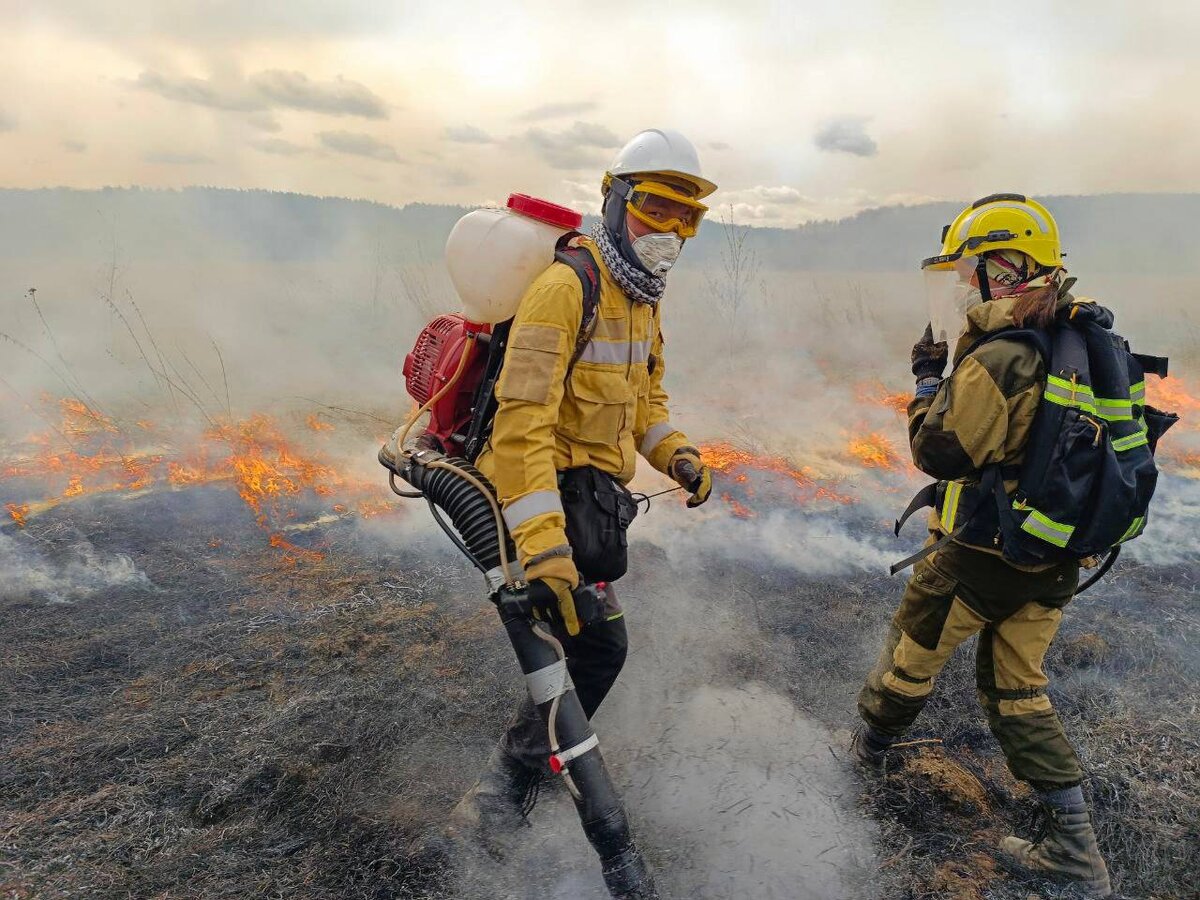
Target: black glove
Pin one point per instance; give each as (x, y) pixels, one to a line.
(555, 602)
(929, 356)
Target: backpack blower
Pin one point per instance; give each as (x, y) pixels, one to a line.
(492, 256)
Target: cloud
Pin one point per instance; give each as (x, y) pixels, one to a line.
(577, 147)
(200, 92)
(264, 122)
(7, 122)
(580, 195)
(557, 110)
(718, 145)
(278, 147)
(295, 90)
(74, 146)
(846, 135)
(173, 158)
(468, 134)
(267, 90)
(766, 205)
(358, 144)
(458, 178)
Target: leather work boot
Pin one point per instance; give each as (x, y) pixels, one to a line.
(1068, 848)
(494, 808)
(869, 747)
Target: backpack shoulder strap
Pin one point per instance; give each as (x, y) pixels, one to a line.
(583, 264)
(1039, 338)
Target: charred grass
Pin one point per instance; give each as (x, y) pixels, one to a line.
(244, 725)
(241, 726)
(1123, 675)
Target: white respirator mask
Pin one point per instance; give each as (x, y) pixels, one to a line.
(658, 252)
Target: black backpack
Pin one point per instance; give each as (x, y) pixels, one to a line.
(483, 409)
(1085, 485)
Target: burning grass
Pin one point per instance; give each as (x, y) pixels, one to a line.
(88, 454)
(786, 481)
(281, 716)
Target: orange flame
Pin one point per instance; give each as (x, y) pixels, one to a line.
(316, 423)
(733, 461)
(1173, 395)
(874, 451)
(876, 393)
(18, 511)
(267, 471)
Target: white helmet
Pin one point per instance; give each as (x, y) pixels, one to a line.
(662, 151)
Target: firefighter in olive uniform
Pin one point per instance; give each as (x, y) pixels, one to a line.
(569, 426)
(1001, 266)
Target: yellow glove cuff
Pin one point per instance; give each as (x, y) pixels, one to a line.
(560, 567)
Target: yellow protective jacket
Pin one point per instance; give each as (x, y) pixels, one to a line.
(611, 408)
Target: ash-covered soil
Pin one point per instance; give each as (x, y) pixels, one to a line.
(187, 713)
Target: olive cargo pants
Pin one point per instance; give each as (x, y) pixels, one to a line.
(953, 594)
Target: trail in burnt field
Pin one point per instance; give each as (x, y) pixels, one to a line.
(191, 711)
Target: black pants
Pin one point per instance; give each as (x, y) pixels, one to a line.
(594, 658)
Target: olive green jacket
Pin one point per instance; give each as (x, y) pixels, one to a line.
(982, 413)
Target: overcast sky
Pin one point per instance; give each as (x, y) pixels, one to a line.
(801, 110)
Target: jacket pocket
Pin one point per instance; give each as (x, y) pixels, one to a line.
(530, 364)
(599, 414)
(926, 605)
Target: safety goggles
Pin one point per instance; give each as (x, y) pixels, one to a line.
(664, 208)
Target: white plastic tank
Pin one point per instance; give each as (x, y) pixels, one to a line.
(494, 254)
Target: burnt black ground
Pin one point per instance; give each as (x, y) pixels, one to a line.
(235, 726)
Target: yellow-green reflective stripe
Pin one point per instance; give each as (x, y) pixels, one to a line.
(1078, 389)
(1047, 529)
(1137, 392)
(1065, 394)
(1114, 410)
(1134, 529)
(950, 505)
(1128, 443)
(1066, 401)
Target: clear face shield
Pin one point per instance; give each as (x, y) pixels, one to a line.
(950, 290)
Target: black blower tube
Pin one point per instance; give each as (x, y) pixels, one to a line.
(599, 805)
(469, 511)
(600, 809)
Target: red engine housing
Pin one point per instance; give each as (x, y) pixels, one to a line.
(432, 363)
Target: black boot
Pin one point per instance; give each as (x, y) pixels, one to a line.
(493, 810)
(870, 747)
(1068, 848)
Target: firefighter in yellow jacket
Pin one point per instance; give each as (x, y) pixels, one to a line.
(1000, 266)
(568, 429)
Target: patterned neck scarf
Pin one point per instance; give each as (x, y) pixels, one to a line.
(1018, 272)
(636, 284)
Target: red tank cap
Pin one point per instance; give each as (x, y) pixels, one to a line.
(545, 211)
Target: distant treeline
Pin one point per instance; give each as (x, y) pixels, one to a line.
(1125, 233)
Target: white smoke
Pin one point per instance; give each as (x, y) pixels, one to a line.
(1170, 535)
(68, 575)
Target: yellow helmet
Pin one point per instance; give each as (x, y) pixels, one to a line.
(1000, 222)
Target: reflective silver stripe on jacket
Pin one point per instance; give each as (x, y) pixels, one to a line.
(535, 503)
(616, 353)
(654, 436)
